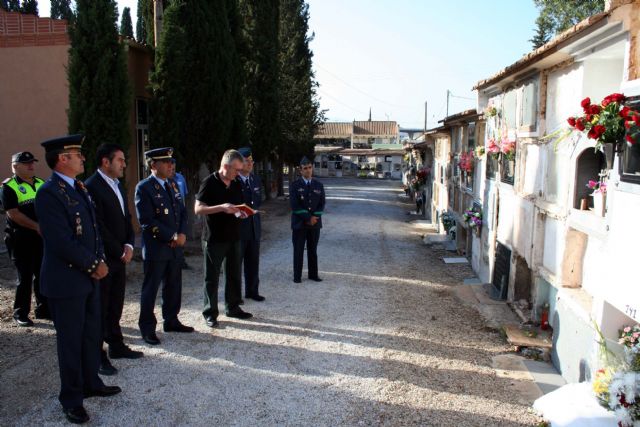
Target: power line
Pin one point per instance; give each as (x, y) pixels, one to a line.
(340, 102)
(361, 91)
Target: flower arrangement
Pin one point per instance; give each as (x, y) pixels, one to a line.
(420, 178)
(466, 161)
(449, 223)
(624, 398)
(490, 111)
(480, 151)
(601, 384)
(630, 339)
(504, 146)
(473, 218)
(608, 122)
(597, 186)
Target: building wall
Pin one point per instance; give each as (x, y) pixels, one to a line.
(33, 101)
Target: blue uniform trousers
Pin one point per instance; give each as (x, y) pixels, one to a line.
(170, 274)
(311, 236)
(78, 335)
(250, 252)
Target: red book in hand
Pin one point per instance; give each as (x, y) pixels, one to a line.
(246, 209)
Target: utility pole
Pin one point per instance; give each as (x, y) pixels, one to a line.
(157, 19)
(425, 116)
(448, 93)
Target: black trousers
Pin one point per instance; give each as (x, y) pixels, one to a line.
(223, 256)
(250, 254)
(170, 274)
(310, 236)
(26, 254)
(112, 290)
(77, 323)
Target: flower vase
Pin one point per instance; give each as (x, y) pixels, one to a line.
(599, 199)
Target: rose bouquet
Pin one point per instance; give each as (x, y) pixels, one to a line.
(608, 122)
(504, 146)
(466, 161)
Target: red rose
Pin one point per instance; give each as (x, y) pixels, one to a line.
(627, 124)
(594, 109)
(599, 130)
(571, 121)
(630, 139)
(636, 119)
(624, 113)
(585, 102)
(592, 133)
(580, 124)
(617, 97)
(606, 102)
(589, 118)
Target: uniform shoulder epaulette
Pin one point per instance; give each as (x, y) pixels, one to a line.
(7, 180)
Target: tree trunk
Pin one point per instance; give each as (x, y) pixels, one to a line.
(280, 178)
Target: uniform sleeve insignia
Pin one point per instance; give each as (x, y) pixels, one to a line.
(22, 189)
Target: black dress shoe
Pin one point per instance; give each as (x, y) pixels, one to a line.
(177, 327)
(124, 352)
(151, 338)
(106, 391)
(106, 368)
(257, 297)
(43, 316)
(241, 302)
(76, 415)
(211, 322)
(297, 281)
(23, 321)
(238, 313)
(315, 279)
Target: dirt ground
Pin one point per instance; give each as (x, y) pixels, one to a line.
(381, 341)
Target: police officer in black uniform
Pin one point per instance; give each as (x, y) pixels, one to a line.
(72, 266)
(22, 237)
(163, 219)
(307, 199)
(251, 227)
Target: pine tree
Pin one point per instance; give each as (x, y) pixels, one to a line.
(30, 7)
(299, 107)
(543, 33)
(260, 61)
(99, 92)
(563, 14)
(61, 9)
(194, 84)
(141, 24)
(126, 26)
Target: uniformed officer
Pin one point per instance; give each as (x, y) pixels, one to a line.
(307, 199)
(163, 220)
(22, 237)
(72, 265)
(250, 228)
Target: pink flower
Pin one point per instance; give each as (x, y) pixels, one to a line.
(627, 329)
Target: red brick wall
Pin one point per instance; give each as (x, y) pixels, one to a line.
(18, 30)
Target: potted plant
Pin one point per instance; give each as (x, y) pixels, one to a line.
(599, 195)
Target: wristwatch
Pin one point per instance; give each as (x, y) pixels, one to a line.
(175, 236)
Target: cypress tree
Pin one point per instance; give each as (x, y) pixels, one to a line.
(30, 7)
(194, 84)
(299, 113)
(126, 26)
(543, 33)
(99, 93)
(4, 5)
(141, 24)
(13, 5)
(260, 62)
(61, 9)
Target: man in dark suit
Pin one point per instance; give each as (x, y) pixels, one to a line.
(306, 196)
(114, 221)
(163, 220)
(250, 228)
(72, 265)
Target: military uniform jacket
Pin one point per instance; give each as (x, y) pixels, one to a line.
(72, 243)
(115, 226)
(251, 228)
(306, 201)
(161, 215)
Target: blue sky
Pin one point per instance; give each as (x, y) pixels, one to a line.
(393, 55)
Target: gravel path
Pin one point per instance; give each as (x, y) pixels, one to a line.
(381, 341)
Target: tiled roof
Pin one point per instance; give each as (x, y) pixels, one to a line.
(364, 128)
(375, 128)
(334, 130)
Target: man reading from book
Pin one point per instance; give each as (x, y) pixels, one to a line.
(217, 198)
